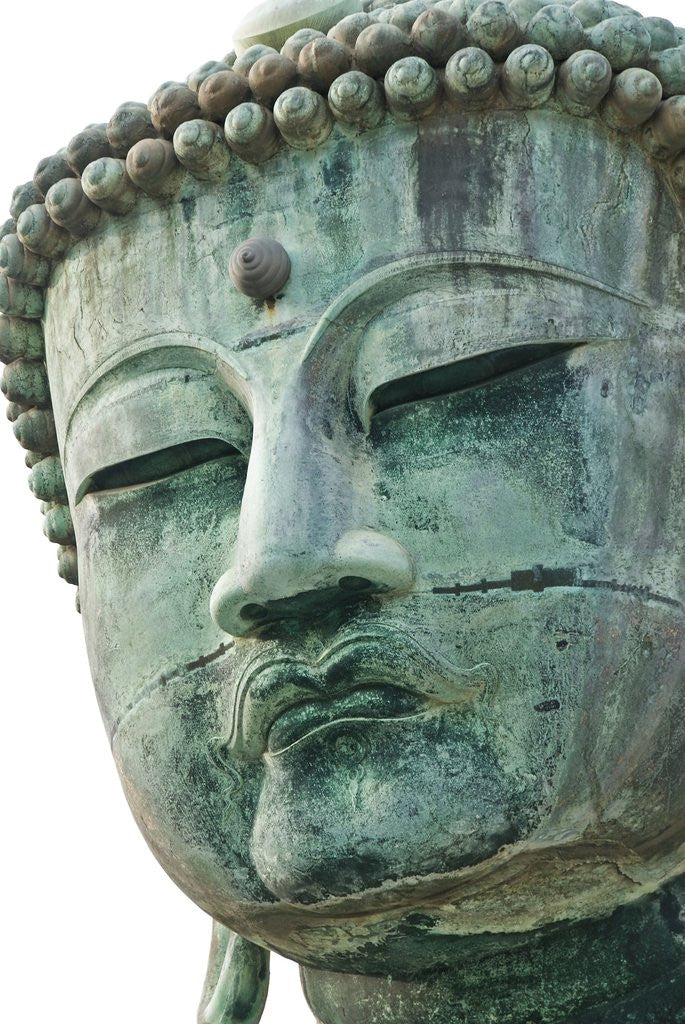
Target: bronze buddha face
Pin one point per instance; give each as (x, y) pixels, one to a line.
(380, 566)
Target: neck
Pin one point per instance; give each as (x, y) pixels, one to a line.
(629, 967)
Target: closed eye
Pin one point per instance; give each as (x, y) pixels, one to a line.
(157, 465)
(466, 373)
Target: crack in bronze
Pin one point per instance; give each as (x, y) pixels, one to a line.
(539, 579)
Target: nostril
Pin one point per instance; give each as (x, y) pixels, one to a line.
(253, 612)
(354, 584)
(272, 583)
(371, 562)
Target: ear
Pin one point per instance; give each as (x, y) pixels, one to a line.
(237, 980)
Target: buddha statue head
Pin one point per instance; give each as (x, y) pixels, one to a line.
(351, 377)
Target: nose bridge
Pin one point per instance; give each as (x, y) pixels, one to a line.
(298, 499)
(306, 540)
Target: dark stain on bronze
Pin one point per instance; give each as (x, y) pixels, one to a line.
(547, 705)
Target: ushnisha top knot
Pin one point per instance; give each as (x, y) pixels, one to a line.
(301, 71)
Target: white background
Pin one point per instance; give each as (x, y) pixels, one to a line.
(91, 928)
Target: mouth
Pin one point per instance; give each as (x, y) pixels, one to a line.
(382, 703)
(381, 674)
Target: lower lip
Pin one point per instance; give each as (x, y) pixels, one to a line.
(376, 702)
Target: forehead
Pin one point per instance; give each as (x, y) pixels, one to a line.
(536, 187)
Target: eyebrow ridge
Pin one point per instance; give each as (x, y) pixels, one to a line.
(209, 352)
(371, 281)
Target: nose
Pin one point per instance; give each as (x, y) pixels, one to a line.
(304, 546)
(282, 585)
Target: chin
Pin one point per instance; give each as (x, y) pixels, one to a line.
(362, 804)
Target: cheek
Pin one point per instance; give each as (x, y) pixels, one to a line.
(648, 497)
(496, 478)
(579, 466)
(150, 557)
(148, 560)
(194, 805)
(578, 462)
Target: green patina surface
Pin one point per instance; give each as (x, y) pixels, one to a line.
(550, 789)
(382, 578)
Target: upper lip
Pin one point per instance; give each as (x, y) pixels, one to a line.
(271, 684)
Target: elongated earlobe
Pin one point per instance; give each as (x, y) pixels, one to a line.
(237, 980)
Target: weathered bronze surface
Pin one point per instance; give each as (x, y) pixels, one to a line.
(351, 378)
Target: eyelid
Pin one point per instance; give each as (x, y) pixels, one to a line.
(464, 374)
(156, 465)
(124, 416)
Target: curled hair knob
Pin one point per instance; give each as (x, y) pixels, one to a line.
(26, 383)
(271, 75)
(295, 44)
(379, 46)
(251, 132)
(130, 123)
(24, 196)
(471, 78)
(436, 35)
(624, 41)
(70, 207)
(107, 184)
(494, 27)
(171, 105)
(528, 76)
(201, 147)
(664, 133)
(557, 29)
(632, 99)
(88, 145)
(412, 88)
(348, 30)
(40, 234)
(583, 81)
(50, 170)
(303, 118)
(152, 166)
(21, 339)
(17, 262)
(669, 68)
(323, 60)
(221, 93)
(356, 99)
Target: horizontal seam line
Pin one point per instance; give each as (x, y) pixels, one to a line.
(164, 680)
